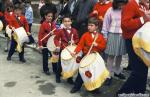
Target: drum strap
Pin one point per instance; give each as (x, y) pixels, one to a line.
(68, 38)
(19, 22)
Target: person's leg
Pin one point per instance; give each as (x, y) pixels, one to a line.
(117, 68)
(58, 70)
(78, 84)
(21, 55)
(13, 45)
(45, 61)
(130, 62)
(109, 64)
(30, 25)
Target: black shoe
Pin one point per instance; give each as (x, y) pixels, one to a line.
(8, 58)
(5, 50)
(127, 69)
(108, 81)
(120, 76)
(74, 90)
(58, 79)
(96, 91)
(22, 60)
(47, 72)
(70, 81)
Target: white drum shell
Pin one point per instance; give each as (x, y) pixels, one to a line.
(68, 63)
(50, 44)
(8, 31)
(141, 43)
(1, 25)
(22, 36)
(96, 66)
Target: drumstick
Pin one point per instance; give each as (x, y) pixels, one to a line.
(67, 49)
(48, 34)
(71, 39)
(92, 44)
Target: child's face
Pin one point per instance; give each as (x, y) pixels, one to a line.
(67, 22)
(18, 12)
(92, 27)
(49, 17)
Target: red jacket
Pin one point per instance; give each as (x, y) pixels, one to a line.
(86, 42)
(1, 14)
(45, 28)
(14, 23)
(64, 41)
(130, 20)
(101, 8)
(8, 15)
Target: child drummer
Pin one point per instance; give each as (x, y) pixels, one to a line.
(85, 44)
(46, 28)
(67, 35)
(17, 20)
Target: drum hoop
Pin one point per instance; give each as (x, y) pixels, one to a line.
(2, 25)
(87, 64)
(71, 57)
(9, 34)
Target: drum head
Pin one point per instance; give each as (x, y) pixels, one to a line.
(50, 44)
(8, 31)
(88, 60)
(21, 35)
(1, 25)
(65, 54)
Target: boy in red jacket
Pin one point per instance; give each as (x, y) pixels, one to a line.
(85, 44)
(65, 35)
(46, 27)
(17, 20)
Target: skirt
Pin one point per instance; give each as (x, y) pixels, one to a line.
(115, 44)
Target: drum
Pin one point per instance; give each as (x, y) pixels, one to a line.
(93, 71)
(8, 31)
(68, 63)
(50, 44)
(1, 25)
(21, 37)
(54, 58)
(141, 43)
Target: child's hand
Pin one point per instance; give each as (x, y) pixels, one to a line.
(57, 49)
(95, 12)
(40, 47)
(95, 44)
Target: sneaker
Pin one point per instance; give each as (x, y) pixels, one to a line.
(8, 58)
(22, 60)
(74, 90)
(96, 91)
(47, 72)
(127, 69)
(6, 50)
(58, 79)
(120, 76)
(70, 81)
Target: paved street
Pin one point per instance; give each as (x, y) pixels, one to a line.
(28, 79)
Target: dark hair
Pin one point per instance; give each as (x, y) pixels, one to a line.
(93, 20)
(18, 6)
(67, 16)
(116, 2)
(46, 12)
(28, 1)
